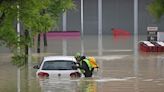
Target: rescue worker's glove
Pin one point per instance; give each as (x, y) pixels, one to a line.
(78, 63)
(74, 67)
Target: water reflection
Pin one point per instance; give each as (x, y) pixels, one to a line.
(64, 47)
(18, 80)
(57, 85)
(66, 85)
(85, 85)
(82, 45)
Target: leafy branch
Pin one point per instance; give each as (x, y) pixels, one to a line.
(156, 8)
(36, 16)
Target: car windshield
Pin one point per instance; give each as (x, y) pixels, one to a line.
(58, 65)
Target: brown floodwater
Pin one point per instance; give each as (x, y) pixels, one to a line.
(122, 68)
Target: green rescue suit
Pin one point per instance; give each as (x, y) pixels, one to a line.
(86, 67)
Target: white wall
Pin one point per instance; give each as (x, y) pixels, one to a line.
(160, 36)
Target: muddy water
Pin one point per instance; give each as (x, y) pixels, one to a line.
(122, 68)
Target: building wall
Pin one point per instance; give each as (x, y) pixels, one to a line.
(116, 14)
(73, 18)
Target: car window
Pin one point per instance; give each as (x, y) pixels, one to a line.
(58, 65)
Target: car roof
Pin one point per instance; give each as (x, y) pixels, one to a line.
(50, 58)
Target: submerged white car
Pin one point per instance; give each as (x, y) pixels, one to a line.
(57, 67)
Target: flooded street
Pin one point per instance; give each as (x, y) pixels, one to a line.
(122, 67)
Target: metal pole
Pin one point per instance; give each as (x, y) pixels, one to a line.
(82, 27)
(136, 44)
(136, 35)
(100, 17)
(18, 30)
(64, 21)
(100, 26)
(18, 49)
(135, 17)
(82, 18)
(100, 38)
(29, 68)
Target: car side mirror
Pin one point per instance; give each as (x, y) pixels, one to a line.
(36, 67)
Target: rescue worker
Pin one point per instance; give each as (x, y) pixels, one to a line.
(84, 65)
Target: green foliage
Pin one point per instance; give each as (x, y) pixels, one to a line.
(156, 8)
(36, 16)
(19, 60)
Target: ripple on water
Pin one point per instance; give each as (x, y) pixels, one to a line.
(105, 79)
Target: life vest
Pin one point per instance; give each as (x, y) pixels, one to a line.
(93, 62)
(88, 63)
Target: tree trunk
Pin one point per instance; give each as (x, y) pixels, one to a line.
(26, 33)
(38, 45)
(45, 40)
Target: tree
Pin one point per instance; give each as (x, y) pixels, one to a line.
(156, 8)
(36, 16)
